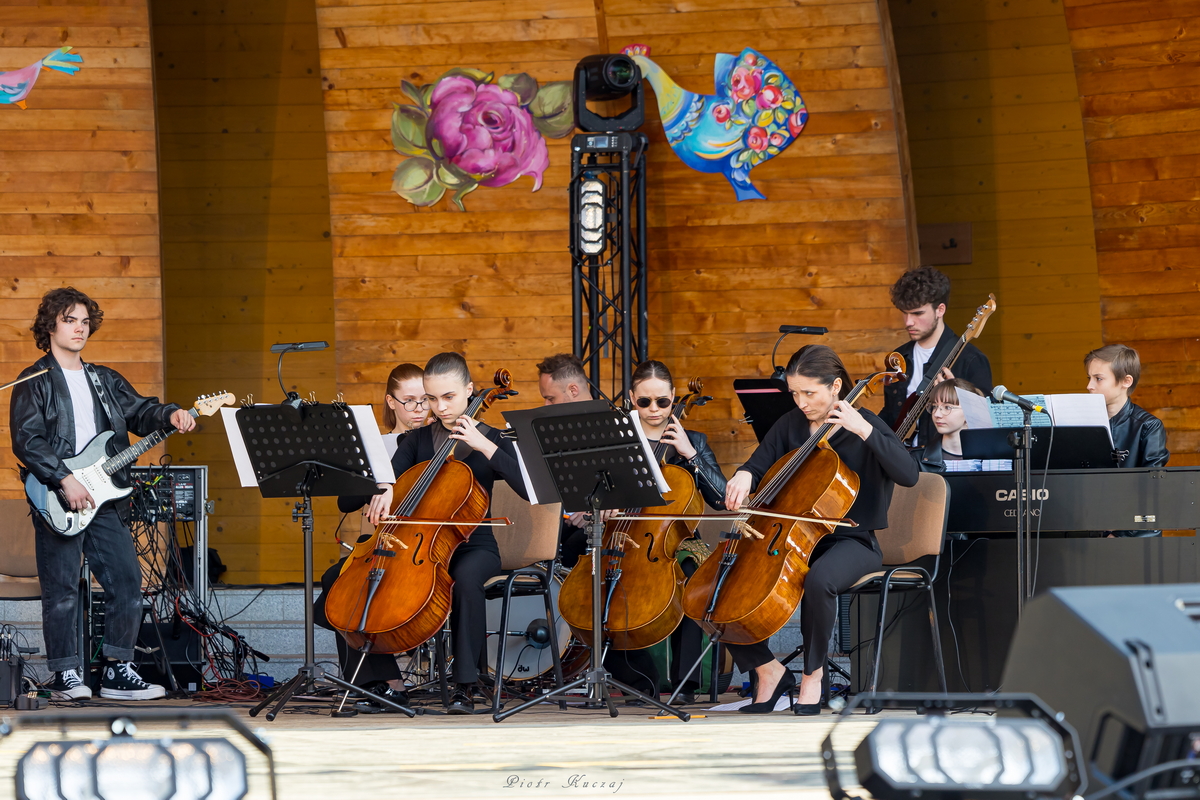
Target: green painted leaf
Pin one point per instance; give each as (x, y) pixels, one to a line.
(408, 130)
(780, 115)
(788, 104)
(765, 118)
(522, 84)
(416, 182)
(435, 145)
(773, 79)
(462, 192)
(773, 150)
(553, 110)
(452, 175)
(748, 108)
(410, 89)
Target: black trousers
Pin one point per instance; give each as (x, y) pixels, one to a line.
(375, 667)
(838, 562)
(471, 566)
(112, 558)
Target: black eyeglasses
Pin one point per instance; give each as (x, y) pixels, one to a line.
(661, 402)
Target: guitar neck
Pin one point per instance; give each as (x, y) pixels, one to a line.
(922, 402)
(135, 451)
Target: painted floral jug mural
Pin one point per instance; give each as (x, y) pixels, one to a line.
(468, 129)
(755, 113)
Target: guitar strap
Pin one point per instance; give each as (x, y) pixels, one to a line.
(91, 373)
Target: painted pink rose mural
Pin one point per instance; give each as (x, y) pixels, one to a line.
(468, 130)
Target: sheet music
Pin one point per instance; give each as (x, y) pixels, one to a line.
(975, 409)
(390, 442)
(533, 501)
(659, 480)
(1079, 410)
(241, 459)
(1008, 415)
(377, 456)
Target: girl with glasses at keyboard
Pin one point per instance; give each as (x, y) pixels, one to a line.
(943, 453)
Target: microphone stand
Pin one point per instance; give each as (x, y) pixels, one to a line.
(1022, 443)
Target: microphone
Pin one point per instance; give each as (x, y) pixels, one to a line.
(1001, 394)
(288, 347)
(810, 330)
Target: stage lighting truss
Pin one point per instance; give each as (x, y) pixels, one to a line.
(129, 767)
(608, 257)
(972, 756)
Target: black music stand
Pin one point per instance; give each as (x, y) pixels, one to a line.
(765, 401)
(592, 458)
(313, 450)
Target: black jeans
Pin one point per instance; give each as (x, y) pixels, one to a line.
(838, 562)
(112, 558)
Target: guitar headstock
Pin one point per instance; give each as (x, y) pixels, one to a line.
(975, 326)
(207, 404)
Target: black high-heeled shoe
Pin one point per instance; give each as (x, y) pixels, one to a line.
(787, 684)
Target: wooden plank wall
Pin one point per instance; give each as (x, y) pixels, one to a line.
(494, 282)
(246, 254)
(1138, 67)
(79, 190)
(996, 140)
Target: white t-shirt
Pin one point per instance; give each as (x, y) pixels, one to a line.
(83, 407)
(920, 358)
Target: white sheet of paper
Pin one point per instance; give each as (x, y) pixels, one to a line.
(975, 409)
(1077, 409)
(377, 456)
(659, 480)
(241, 459)
(533, 501)
(390, 442)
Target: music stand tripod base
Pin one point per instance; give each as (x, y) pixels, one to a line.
(580, 449)
(334, 469)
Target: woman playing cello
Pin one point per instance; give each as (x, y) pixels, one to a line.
(448, 390)
(818, 382)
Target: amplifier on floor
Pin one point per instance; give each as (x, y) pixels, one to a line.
(1123, 664)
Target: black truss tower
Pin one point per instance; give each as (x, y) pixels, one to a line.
(609, 315)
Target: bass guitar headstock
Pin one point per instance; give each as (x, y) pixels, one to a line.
(975, 326)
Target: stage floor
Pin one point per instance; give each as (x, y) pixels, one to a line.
(542, 752)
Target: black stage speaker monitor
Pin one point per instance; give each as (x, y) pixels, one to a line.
(1122, 663)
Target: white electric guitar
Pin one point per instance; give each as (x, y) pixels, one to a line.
(94, 468)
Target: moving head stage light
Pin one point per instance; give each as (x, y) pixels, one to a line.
(605, 77)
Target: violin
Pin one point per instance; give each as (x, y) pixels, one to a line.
(755, 586)
(643, 582)
(394, 592)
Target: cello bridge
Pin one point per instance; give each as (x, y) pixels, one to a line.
(391, 541)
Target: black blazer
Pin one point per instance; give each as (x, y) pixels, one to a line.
(972, 365)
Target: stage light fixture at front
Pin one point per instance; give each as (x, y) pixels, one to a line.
(996, 757)
(133, 769)
(608, 76)
(129, 767)
(591, 217)
(976, 757)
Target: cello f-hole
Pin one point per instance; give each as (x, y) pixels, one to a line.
(778, 526)
(653, 559)
(417, 549)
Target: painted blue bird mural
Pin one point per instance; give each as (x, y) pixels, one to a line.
(16, 84)
(755, 113)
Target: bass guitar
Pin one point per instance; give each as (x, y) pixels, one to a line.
(916, 403)
(94, 468)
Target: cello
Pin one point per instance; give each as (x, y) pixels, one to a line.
(755, 586)
(643, 601)
(394, 592)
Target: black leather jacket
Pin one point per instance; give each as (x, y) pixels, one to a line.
(1139, 440)
(42, 419)
(972, 365)
(930, 458)
(704, 467)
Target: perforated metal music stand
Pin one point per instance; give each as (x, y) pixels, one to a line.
(591, 457)
(314, 450)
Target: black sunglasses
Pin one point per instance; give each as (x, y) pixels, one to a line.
(661, 402)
